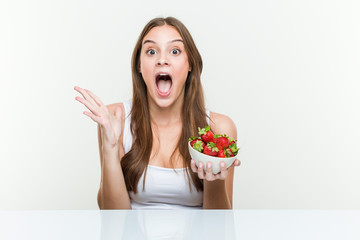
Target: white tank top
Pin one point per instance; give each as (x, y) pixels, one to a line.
(165, 188)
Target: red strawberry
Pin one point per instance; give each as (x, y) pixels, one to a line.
(221, 154)
(229, 153)
(197, 144)
(222, 142)
(206, 134)
(192, 140)
(211, 149)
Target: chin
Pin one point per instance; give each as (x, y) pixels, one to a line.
(164, 103)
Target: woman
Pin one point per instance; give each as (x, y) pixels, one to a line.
(143, 142)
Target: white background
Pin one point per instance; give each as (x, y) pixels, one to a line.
(287, 73)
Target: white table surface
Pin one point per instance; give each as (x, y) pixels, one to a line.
(190, 224)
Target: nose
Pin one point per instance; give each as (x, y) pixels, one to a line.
(162, 60)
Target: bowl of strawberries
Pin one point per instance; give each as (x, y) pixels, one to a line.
(214, 148)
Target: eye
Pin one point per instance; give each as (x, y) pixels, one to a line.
(150, 52)
(175, 51)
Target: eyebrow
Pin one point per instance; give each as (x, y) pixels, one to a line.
(151, 41)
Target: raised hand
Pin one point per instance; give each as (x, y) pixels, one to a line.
(99, 113)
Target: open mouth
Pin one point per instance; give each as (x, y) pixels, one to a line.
(163, 83)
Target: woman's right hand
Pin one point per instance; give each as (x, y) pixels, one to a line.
(99, 113)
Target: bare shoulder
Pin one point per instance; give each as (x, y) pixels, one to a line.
(222, 124)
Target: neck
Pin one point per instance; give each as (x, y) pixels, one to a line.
(166, 116)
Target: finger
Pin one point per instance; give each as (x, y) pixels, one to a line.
(92, 116)
(193, 166)
(87, 104)
(85, 94)
(223, 171)
(97, 100)
(236, 163)
(209, 174)
(201, 170)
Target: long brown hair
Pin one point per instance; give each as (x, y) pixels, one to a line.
(135, 162)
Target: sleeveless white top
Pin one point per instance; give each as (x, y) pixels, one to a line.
(165, 188)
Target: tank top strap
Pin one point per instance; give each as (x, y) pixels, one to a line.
(127, 136)
(208, 116)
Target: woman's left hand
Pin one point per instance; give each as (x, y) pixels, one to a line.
(208, 175)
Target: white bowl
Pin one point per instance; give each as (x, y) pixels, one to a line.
(201, 157)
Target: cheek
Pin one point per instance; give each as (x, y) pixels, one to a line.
(145, 67)
(147, 75)
(183, 68)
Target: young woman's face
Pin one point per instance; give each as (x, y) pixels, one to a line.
(164, 65)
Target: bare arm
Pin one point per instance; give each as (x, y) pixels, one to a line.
(218, 194)
(112, 193)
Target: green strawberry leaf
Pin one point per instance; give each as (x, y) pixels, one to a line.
(213, 146)
(201, 131)
(234, 148)
(193, 138)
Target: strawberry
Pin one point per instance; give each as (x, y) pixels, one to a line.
(221, 154)
(197, 144)
(222, 142)
(229, 152)
(233, 147)
(231, 141)
(206, 134)
(211, 149)
(192, 140)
